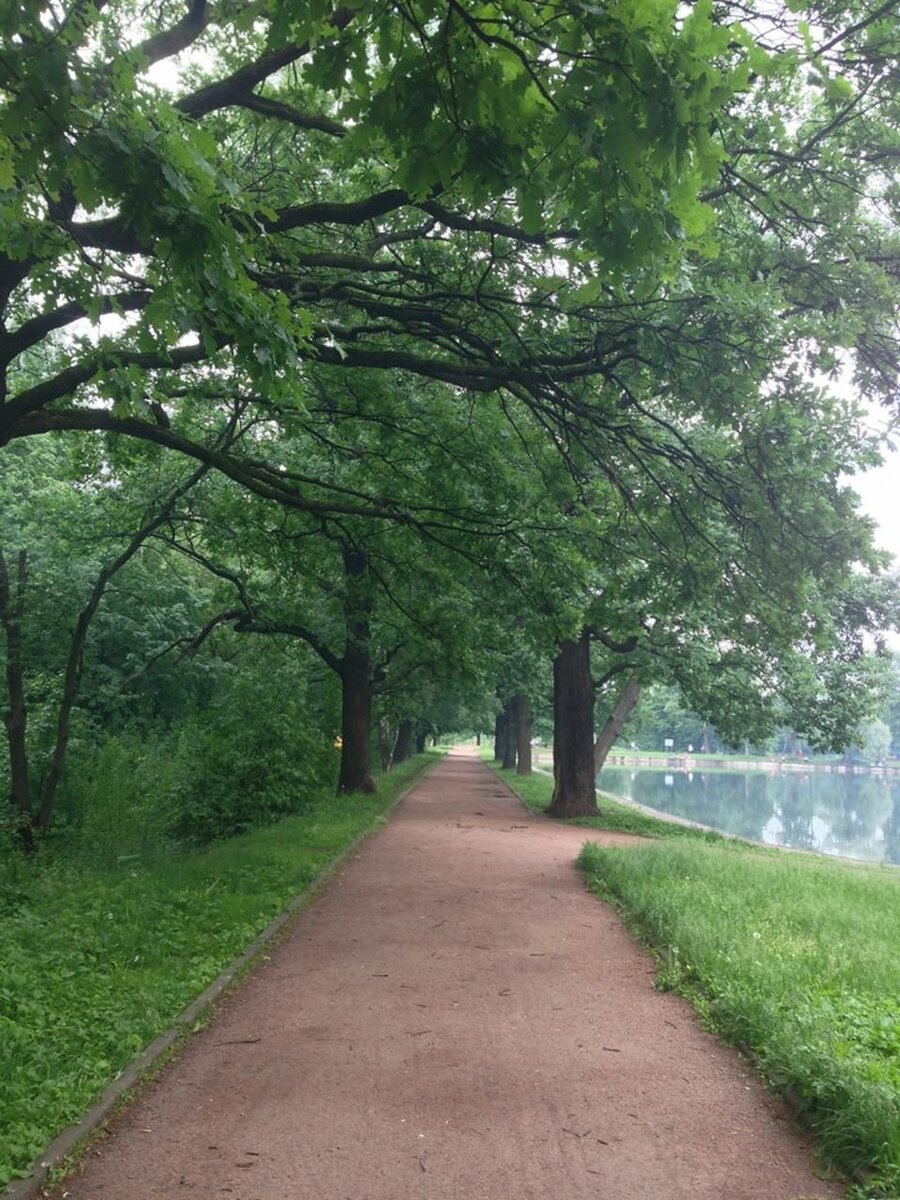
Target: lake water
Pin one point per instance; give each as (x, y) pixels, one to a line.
(857, 816)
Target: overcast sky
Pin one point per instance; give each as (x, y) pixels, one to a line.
(880, 493)
(879, 489)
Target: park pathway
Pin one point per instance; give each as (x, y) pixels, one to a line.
(455, 1018)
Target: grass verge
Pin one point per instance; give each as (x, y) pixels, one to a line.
(537, 788)
(95, 963)
(795, 959)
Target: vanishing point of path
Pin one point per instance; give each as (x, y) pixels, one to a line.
(455, 1018)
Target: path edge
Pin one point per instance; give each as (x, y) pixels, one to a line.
(495, 771)
(139, 1069)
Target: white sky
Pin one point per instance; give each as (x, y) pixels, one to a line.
(879, 491)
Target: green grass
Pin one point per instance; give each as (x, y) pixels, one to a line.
(95, 963)
(794, 958)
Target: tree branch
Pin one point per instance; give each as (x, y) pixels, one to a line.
(240, 84)
(30, 332)
(64, 384)
(178, 37)
(283, 112)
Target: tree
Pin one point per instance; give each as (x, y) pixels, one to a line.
(181, 211)
(775, 620)
(379, 604)
(625, 704)
(633, 240)
(573, 730)
(40, 475)
(529, 243)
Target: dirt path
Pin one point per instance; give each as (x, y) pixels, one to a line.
(456, 1018)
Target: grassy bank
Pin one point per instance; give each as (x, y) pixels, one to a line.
(795, 958)
(95, 963)
(536, 789)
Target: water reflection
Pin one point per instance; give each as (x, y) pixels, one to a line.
(857, 816)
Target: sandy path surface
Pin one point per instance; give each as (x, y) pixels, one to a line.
(455, 1018)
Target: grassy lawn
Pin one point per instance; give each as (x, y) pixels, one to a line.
(95, 963)
(792, 957)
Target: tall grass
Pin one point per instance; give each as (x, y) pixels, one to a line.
(100, 950)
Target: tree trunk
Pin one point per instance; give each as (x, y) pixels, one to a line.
(12, 604)
(421, 739)
(356, 723)
(356, 681)
(385, 744)
(510, 745)
(625, 705)
(499, 735)
(574, 793)
(524, 722)
(403, 746)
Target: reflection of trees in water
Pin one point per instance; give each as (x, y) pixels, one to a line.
(795, 801)
(843, 813)
(863, 809)
(733, 802)
(856, 807)
(892, 831)
(753, 805)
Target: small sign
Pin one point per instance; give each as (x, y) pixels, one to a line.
(668, 743)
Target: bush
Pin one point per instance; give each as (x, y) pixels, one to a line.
(245, 763)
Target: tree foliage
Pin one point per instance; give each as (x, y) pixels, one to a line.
(535, 314)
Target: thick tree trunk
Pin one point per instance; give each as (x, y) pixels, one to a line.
(524, 722)
(356, 723)
(12, 603)
(421, 739)
(510, 745)
(356, 681)
(574, 793)
(625, 705)
(403, 747)
(499, 735)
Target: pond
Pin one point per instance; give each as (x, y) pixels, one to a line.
(854, 815)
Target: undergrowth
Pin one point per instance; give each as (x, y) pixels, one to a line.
(96, 960)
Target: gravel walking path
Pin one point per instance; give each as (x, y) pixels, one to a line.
(455, 1018)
